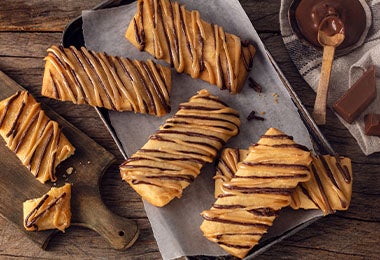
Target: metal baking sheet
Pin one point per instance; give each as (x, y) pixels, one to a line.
(73, 35)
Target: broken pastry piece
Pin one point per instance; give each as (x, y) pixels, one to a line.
(51, 211)
(202, 50)
(86, 77)
(174, 155)
(252, 199)
(329, 188)
(37, 141)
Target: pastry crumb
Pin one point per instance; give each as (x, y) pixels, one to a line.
(69, 170)
(275, 95)
(262, 113)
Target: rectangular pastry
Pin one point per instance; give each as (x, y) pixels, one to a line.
(51, 211)
(174, 155)
(37, 141)
(253, 197)
(180, 37)
(86, 77)
(329, 188)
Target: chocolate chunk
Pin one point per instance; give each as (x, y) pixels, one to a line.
(253, 116)
(358, 97)
(256, 86)
(372, 124)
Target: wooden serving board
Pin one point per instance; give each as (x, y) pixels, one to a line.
(89, 162)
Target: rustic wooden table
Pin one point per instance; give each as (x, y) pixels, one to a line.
(28, 28)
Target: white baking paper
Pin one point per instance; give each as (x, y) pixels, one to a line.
(176, 226)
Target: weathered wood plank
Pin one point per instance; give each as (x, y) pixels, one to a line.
(330, 238)
(28, 44)
(263, 14)
(40, 16)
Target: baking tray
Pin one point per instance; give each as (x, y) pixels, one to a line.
(73, 36)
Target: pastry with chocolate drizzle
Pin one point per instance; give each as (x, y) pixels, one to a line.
(174, 155)
(253, 197)
(329, 188)
(51, 211)
(37, 141)
(180, 37)
(86, 77)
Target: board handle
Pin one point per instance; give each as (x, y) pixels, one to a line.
(120, 232)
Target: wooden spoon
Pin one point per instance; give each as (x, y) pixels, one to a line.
(330, 36)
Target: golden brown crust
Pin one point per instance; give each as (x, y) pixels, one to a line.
(253, 197)
(173, 156)
(227, 167)
(86, 77)
(329, 188)
(169, 32)
(51, 211)
(37, 141)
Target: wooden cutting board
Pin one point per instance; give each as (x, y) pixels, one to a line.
(89, 162)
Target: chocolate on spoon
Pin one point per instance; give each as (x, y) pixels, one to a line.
(331, 34)
(305, 17)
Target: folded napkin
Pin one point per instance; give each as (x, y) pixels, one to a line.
(346, 68)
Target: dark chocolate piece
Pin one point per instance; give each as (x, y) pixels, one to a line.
(256, 86)
(253, 116)
(372, 124)
(358, 97)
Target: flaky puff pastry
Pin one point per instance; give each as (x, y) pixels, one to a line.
(329, 188)
(227, 167)
(169, 32)
(252, 199)
(37, 141)
(174, 155)
(51, 211)
(86, 77)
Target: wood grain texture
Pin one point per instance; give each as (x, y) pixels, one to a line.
(88, 163)
(346, 235)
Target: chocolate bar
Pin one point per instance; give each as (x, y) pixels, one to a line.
(358, 97)
(372, 124)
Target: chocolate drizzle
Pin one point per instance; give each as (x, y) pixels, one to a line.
(83, 76)
(139, 29)
(184, 42)
(177, 151)
(277, 137)
(33, 217)
(343, 170)
(328, 170)
(227, 221)
(7, 105)
(34, 138)
(328, 189)
(256, 184)
(321, 189)
(261, 190)
(277, 165)
(12, 130)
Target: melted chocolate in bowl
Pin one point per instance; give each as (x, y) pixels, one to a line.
(308, 15)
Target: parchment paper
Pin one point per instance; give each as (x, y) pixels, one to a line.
(176, 226)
